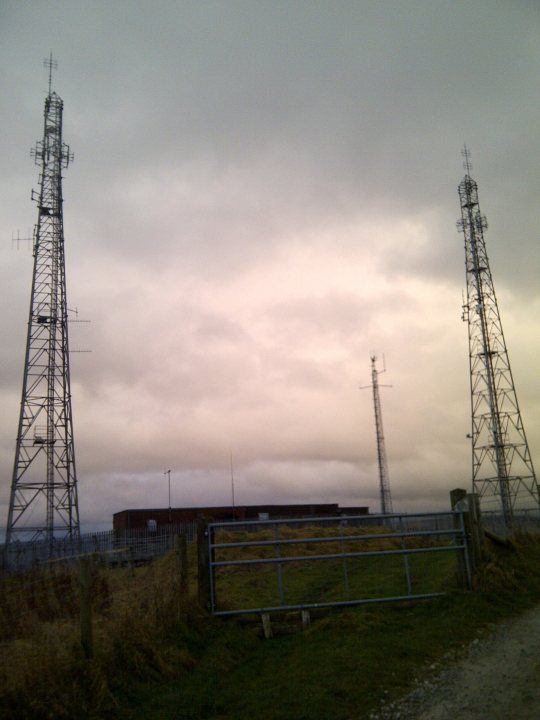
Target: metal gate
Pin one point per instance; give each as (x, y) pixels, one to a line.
(276, 565)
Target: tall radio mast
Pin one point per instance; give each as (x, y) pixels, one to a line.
(502, 469)
(384, 482)
(43, 503)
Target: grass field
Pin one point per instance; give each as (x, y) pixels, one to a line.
(157, 655)
(320, 577)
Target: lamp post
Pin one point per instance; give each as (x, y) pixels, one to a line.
(168, 473)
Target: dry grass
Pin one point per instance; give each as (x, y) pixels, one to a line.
(507, 566)
(43, 671)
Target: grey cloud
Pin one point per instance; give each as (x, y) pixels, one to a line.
(236, 165)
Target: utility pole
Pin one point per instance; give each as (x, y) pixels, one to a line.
(502, 470)
(43, 502)
(168, 473)
(384, 482)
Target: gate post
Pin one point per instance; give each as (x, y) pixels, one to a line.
(203, 563)
(477, 532)
(458, 501)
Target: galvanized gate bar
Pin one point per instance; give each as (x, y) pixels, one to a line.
(338, 538)
(399, 520)
(336, 556)
(332, 519)
(337, 603)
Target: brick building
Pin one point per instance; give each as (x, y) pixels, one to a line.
(154, 518)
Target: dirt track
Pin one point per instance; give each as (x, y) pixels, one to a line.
(498, 679)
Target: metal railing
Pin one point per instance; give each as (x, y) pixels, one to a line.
(523, 520)
(115, 547)
(295, 564)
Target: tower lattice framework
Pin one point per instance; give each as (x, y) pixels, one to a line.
(43, 502)
(502, 470)
(384, 481)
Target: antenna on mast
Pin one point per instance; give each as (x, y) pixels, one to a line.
(51, 64)
(467, 164)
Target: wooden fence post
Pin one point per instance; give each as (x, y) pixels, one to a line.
(131, 560)
(203, 563)
(86, 607)
(180, 547)
(267, 626)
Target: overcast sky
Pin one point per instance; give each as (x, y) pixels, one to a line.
(263, 195)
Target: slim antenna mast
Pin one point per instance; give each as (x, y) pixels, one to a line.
(384, 482)
(467, 159)
(168, 473)
(51, 64)
(502, 469)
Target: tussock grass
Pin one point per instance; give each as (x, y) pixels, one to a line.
(511, 571)
(43, 671)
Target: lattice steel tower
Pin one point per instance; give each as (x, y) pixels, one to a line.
(384, 482)
(502, 469)
(43, 503)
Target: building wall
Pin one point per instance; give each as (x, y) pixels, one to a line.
(139, 519)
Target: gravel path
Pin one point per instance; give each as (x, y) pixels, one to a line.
(498, 679)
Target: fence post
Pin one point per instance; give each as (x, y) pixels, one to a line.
(203, 563)
(306, 618)
(458, 501)
(470, 503)
(477, 533)
(86, 607)
(267, 626)
(131, 560)
(180, 548)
